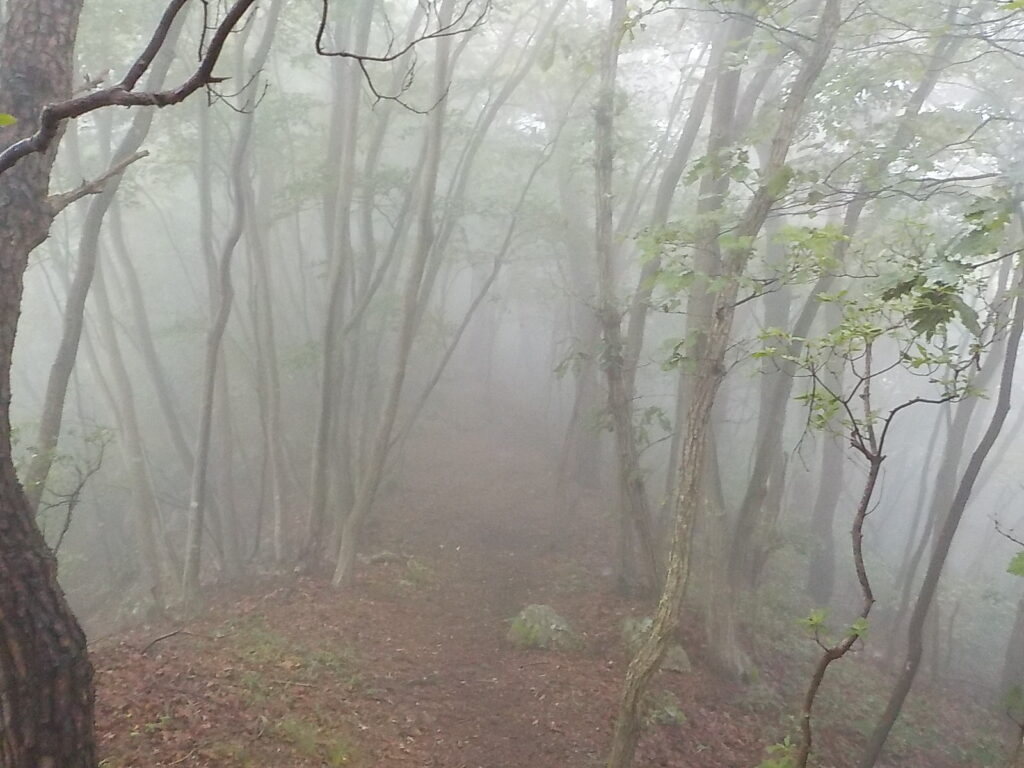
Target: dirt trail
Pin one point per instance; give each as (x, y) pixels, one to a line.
(410, 667)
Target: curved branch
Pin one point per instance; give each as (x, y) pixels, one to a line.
(122, 93)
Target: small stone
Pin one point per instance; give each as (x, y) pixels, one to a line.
(540, 626)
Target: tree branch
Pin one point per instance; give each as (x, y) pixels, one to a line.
(59, 202)
(122, 94)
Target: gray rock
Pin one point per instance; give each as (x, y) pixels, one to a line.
(539, 626)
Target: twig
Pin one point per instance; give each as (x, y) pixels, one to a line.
(166, 637)
(183, 759)
(59, 202)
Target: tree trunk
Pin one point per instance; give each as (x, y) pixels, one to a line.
(710, 374)
(222, 295)
(945, 479)
(88, 253)
(1013, 663)
(370, 480)
(268, 370)
(224, 291)
(338, 216)
(634, 503)
(46, 691)
(147, 509)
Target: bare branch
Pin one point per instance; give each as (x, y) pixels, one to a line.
(460, 24)
(449, 29)
(122, 93)
(59, 202)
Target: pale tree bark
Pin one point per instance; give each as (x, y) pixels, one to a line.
(267, 362)
(1013, 663)
(147, 509)
(338, 231)
(920, 526)
(722, 624)
(754, 535)
(142, 327)
(947, 472)
(708, 380)
(88, 253)
(214, 336)
(635, 512)
(369, 482)
(580, 459)
(222, 298)
(821, 571)
(946, 533)
(772, 414)
(667, 185)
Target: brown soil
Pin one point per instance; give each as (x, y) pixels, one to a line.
(410, 666)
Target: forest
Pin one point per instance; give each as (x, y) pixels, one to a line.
(504, 383)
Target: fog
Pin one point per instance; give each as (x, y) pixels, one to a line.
(521, 348)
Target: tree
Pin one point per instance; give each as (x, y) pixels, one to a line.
(945, 534)
(46, 709)
(708, 380)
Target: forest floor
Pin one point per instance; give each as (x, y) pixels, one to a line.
(411, 666)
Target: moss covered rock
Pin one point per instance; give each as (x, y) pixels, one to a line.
(539, 626)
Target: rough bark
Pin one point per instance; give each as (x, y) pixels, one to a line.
(46, 691)
(708, 380)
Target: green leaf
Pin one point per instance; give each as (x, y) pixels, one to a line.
(968, 316)
(859, 628)
(6, 119)
(815, 620)
(1016, 566)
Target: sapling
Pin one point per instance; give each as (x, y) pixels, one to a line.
(879, 337)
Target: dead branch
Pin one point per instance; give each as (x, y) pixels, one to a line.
(463, 22)
(122, 93)
(59, 202)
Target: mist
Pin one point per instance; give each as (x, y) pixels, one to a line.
(476, 383)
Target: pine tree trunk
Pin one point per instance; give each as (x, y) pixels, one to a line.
(46, 691)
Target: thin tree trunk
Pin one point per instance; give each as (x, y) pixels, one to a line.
(711, 372)
(147, 508)
(166, 399)
(268, 372)
(222, 297)
(944, 538)
(370, 480)
(339, 231)
(214, 336)
(945, 482)
(634, 503)
(88, 253)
